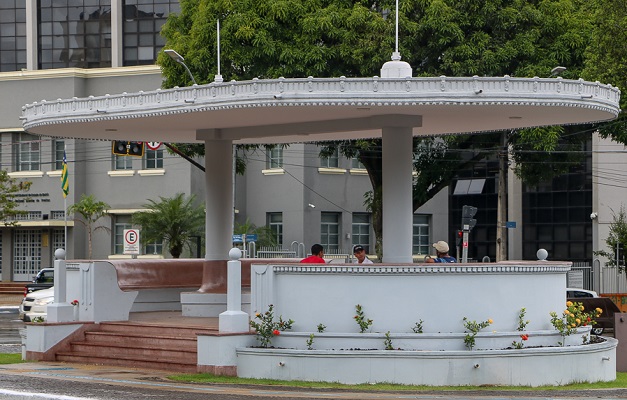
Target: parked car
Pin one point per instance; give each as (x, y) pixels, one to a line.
(591, 300)
(43, 280)
(35, 305)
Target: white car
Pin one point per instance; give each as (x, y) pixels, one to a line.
(35, 305)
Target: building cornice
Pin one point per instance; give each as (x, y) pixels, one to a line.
(84, 73)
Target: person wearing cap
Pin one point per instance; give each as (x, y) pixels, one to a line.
(316, 257)
(360, 255)
(441, 251)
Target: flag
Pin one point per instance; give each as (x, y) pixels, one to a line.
(65, 183)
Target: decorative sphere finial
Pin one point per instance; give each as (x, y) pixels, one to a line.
(542, 254)
(235, 254)
(59, 254)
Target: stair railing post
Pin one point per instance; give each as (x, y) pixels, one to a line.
(234, 319)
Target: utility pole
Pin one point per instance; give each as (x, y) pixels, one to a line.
(501, 220)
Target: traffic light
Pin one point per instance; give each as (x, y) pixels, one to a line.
(119, 147)
(459, 238)
(468, 212)
(126, 148)
(136, 149)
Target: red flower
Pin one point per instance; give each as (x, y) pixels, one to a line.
(276, 332)
(524, 337)
(589, 319)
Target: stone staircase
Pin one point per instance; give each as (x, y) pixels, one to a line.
(138, 345)
(12, 288)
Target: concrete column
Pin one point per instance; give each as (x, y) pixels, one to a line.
(219, 198)
(397, 194)
(31, 35)
(117, 22)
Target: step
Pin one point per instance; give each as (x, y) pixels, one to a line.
(129, 362)
(140, 341)
(122, 351)
(155, 329)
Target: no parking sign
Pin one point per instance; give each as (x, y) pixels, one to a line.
(131, 241)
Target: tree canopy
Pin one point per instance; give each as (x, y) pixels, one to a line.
(9, 188)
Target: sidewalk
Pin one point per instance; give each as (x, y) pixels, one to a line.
(8, 300)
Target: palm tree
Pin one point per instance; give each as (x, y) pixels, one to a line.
(91, 211)
(174, 220)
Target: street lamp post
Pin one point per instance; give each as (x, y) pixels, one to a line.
(179, 59)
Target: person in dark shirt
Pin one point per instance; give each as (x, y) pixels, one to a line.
(317, 252)
(441, 251)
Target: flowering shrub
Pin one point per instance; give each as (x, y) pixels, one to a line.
(572, 318)
(74, 302)
(361, 320)
(267, 328)
(520, 345)
(473, 327)
(321, 328)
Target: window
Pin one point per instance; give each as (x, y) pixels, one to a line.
(59, 148)
(330, 231)
(274, 221)
(274, 157)
(27, 153)
(153, 159)
(330, 162)
(143, 20)
(356, 164)
(122, 162)
(74, 33)
(57, 214)
(58, 240)
(121, 222)
(361, 230)
(153, 248)
(420, 236)
(12, 35)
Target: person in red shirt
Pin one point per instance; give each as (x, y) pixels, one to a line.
(317, 252)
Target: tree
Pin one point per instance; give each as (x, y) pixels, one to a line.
(616, 241)
(90, 210)
(265, 235)
(175, 221)
(272, 38)
(9, 187)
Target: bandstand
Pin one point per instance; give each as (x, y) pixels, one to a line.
(394, 107)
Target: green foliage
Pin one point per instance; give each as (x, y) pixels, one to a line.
(360, 318)
(267, 327)
(388, 341)
(573, 317)
(10, 358)
(310, 342)
(175, 221)
(417, 328)
(473, 327)
(265, 235)
(9, 188)
(321, 328)
(90, 211)
(522, 323)
(617, 237)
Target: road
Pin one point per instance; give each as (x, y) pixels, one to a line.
(10, 326)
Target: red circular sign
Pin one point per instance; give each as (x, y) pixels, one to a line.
(153, 145)
(131, 237)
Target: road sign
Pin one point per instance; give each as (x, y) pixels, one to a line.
(153, 145)
(251, 237)
(131, 241)
(238, 239)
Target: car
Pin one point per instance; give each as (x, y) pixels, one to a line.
(34, 306)
(43, 280)
(591, 300)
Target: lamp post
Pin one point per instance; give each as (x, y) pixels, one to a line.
(179, 59)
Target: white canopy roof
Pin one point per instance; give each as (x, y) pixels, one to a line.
(317, 109)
